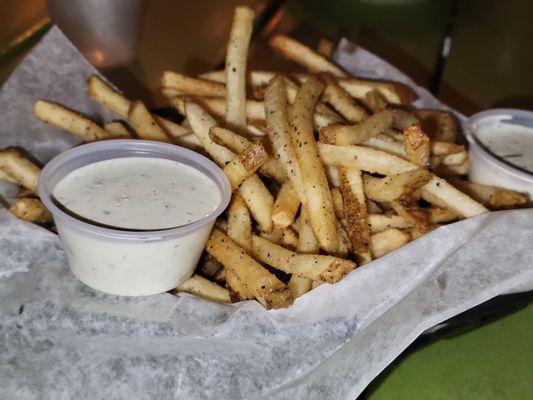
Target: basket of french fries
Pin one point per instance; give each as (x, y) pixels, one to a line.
(344, 213)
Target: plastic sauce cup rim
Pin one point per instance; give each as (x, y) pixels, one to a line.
(219, 178)
(485, 154)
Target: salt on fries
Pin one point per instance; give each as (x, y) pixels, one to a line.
(327, 171)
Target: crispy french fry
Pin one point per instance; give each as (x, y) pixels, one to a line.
(492, 197)
(393, 92)
(265, 287)
(237, 144)
(286, 206)
(307, 241)
(452, 170)
(279, 132)
(192, 86)
(318, 196)
(341, 101)
(104, 94)
(440, 215)
(332, 173)
(117, 130)
(444, 148)
(303, 55)
(373, 207)
(312, 266)
(417, 145)
(375, 101)
(257, 197)
(386, 241)
(32, 210)
(338, 202)
(144, 124)
(440, 125)
(325, 47)
(239, 227)
(355, 213)
(236, 55)
(18, 168)
(455, 158)
(299, 285)
(344, 247)
(202, 287)
(409, 210)
(354, 134)
(380, 222)
(242, 167)
(290, 238)
(392, 187)
(68, 120)
(171, 128)
(237, 290)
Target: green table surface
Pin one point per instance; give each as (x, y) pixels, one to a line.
(489, 62)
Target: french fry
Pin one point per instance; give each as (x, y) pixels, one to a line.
(144, 124)
(4, 176)
(341, 101)
(192, 86)
(345, 246)
(392, 187)
(236, 55)
(445, 148)
(338, 202)
(202, 287)
(257, 197)
(299, 285)
(237, 290)
(117, 130)
(417, 217)
(68, 120)
(237, 144)
(172, 129)
(440, 215)
(279, 133)
(440, 125)
(32, 210)
(381, 222)
(18, 168)
(243, 166)
(307, 241)
(355, 213)
(384, 142)
(332, 173)
(354, 134)
(373, 207)
(393, 92)
(23, 192)
(325, 47)
(417, 145)
(455, 158)
(239, 227)
(386, 241)
(312, 266)
(452, 170)
(303, 55)
(375, 101)
(190, 141)
(290, 238)
(266, 288)
(104, 94)
(286, 206)
(318, 196)
(492, 197)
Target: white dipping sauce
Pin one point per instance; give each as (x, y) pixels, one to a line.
(138, 193)
(512, 143)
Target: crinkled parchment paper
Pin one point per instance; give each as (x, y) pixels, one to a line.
(61, 340)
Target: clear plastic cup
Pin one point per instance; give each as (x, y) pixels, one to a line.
(485, 167)
(130, 263)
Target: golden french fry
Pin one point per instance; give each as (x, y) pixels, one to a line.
(392, 187)
(279, 133)
(303, 55)
(144, 124)
(493, 197)
(440, 215)
(341, 101)
(171, 128)
(237, 290)
(381, 222)
(440, 125)
(345, 245)
(192, 86)
(32, 210)
(444, 148)
(393, 92)
(318, 196)
(417, 145)
(307, 241)
(245, 165)
(373, 207)
(386, 143)
(375, 101)
(286, 206)
(70, 121)
(299, 285)
(19, 169)
(104, 94)
(265, 287)
(257, 197)
(239, 227)
(325, 47)
(354, 134)
(355, 213)
(452, 170)
(236, 56)
(455, 158)
(388, 240)
(202, 287)
(4, 176)
(338, 202)
(289, 238)
(417, 217)
(117, 130)
(312, 266)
